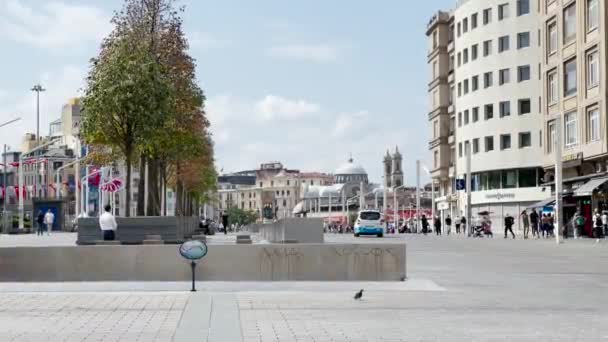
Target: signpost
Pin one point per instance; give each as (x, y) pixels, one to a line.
(193, 251)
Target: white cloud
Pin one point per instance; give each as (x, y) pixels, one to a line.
(274, 107)
(53, 25)
(350, 123)
(319, 53)
(204, 40)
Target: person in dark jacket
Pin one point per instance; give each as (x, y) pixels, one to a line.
(534, 223)
(40, 222)
(425, 225)
(448, 224)
(437, 226)
(509, 221)
(463, 222)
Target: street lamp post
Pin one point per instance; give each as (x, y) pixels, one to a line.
(558, 180)
(395, 206)
(419, 222)
(38, 89)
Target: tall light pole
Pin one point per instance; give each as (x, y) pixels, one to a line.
(558, 179)
(38, 89)
(469, 212)
(419, 222)
(395, 206)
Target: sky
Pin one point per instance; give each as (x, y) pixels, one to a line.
(307, 83)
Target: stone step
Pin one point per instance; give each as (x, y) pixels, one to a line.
(153, 242)
(107, 243)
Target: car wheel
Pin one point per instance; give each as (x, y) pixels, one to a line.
(356, 234)
(380, 235)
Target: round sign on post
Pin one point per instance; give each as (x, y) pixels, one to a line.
(193, 250)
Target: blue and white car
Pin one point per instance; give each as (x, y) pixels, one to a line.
(369, 222)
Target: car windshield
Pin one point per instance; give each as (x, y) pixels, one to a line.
(370, 215)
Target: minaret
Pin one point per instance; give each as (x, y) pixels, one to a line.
(397, 171)
(388, 169)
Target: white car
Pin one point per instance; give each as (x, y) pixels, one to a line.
(369, 222)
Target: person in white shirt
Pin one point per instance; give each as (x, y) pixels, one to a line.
(49, 219)
(108, 224)
(605, 223)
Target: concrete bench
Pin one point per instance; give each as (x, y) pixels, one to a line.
(107, 243)
(243, 239)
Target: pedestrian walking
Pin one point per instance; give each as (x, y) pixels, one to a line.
(525, 220)
(448, 224)
(579, 224)
(509, 221)
(534, 221)
(49, 219)
(605, 223)
(40, 223)
(425, 224)
(463, 223)
(437, 226)
(551, 225)
(457, 224)
(107, 224)
(597, 225)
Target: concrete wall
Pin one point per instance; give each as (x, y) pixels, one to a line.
(314, 262)
(301, 230)
(133, 230)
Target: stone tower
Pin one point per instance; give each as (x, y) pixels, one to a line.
(388, 167)
(397, 170)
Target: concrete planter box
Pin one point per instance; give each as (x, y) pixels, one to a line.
(300, 262)
(134, 230)
(301, 230)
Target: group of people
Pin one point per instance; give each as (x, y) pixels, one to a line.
(338, 228)
(460, 224)
(45, 222)
(599, 224)
(542, 224)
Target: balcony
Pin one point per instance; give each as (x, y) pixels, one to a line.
(442, 140)
(438, 111)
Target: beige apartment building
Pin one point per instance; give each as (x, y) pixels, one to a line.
(574, 92)
(442, 114)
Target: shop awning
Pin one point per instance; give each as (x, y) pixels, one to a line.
(544, 203)
(588, 188)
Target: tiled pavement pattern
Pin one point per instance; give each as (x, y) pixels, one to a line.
(459, 290)
(80, 317)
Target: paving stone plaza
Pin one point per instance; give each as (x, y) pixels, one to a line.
(458, 289)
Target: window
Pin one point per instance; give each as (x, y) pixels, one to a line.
(451, 95)
(474, 49)
(523, 73)
(523, 7)
(459, 89)
(487, 48)
(435, 129)
(487, 16)
(570, 77)
(552, 37)
(488, 111)
(458, 30)
(525, 139)
(505, 141)
(552, 87)
(592, 14)
(524, 106)
(474, 83)
(504, 108)
(434, 69)
(459, 58)
(570, 23)
(593, 71)
(487, 79)
(475, 114)
(475, 145)
(473, 21)
(435, 161)
(593, 122)
(489, 142)
(460, 119)
(503, 44)
(509, 179)
(465, 86)
(571, 129)
(551, 136)
(527, 178)
(465, 25)
(503, 76)
(523, 40)
(503, 11)
(465, 56)
(460, 150)
(466, 117)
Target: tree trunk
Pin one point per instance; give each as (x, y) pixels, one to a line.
(128, 185)
(141, 187)
(164, 181)
(153, 208)
(179, 193)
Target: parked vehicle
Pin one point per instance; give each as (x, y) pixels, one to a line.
(369, 223)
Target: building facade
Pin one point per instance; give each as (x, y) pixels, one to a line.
(497, 104)
(574, 85)
(442, 114)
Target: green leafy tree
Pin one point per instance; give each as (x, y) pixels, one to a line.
(125, 98)
(240, 216)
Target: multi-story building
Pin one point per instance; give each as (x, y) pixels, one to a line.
(442, 114)
(574, 86)
(497, 104)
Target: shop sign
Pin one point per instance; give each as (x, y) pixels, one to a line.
(572, 160)
(500, 196)
(443, 206)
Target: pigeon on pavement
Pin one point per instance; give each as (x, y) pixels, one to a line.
(358, 295)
